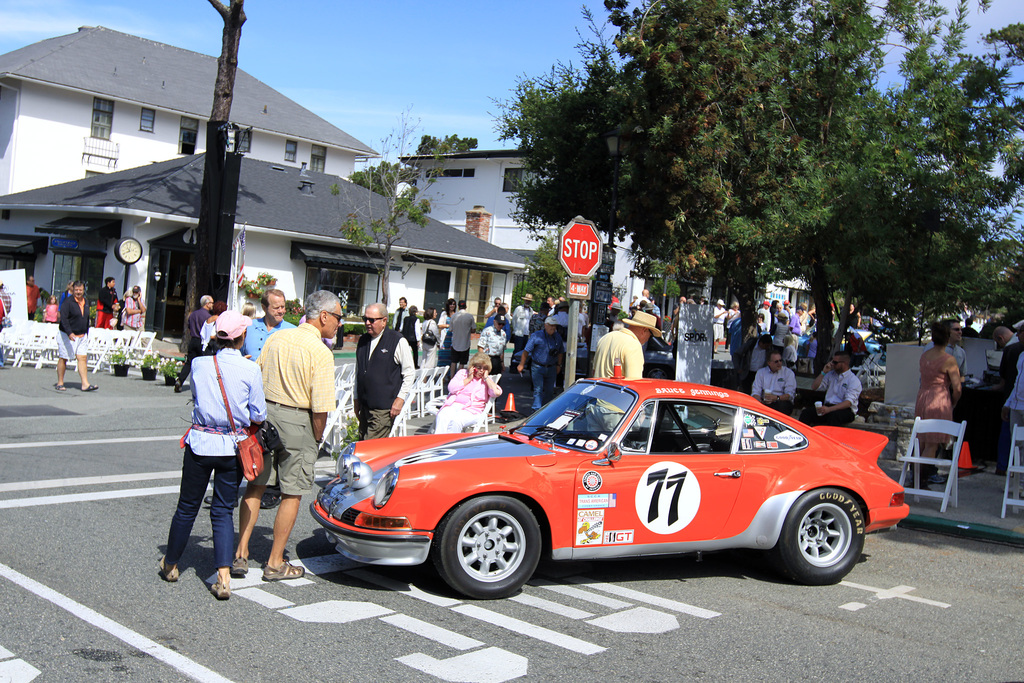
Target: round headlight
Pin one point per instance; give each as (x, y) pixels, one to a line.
(360, 475)
(385, 487)
(344, 459)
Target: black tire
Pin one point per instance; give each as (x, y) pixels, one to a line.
(658, 372)
(487, 547)
(822, 538)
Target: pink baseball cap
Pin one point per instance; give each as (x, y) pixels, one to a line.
(231, 324)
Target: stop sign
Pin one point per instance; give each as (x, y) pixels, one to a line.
(579, 248)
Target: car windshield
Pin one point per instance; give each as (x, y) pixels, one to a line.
(583, 417)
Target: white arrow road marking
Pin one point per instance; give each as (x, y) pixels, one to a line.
(637, 620)
(435, 633)
(403, 588)
(87, 481)
(82, 497)
(896, 592)
(644, 597)
(335, 612)
(549, 606)
(183, 664)
(261, 597)
(17, 671)
(527, 629)
(492, 665)
(579, 594)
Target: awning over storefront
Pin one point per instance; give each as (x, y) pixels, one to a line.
(335, 257)
(73, 226)
(22, 246)
(431, 260)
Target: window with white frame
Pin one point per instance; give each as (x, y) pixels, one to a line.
(188, 136)
(291, 150)
(102, 118)
(318, 159)
(146, 120)
(512, 180)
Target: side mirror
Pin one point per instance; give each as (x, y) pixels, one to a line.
(613, 455)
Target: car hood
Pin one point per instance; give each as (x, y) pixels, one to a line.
(434, 449)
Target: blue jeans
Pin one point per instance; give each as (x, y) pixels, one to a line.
(195, 475)
(543, 383)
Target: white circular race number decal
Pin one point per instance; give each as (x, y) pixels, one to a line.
(667, 497)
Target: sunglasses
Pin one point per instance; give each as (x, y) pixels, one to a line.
(336, 316)
(368, 321)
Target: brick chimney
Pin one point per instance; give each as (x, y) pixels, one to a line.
(478, 222)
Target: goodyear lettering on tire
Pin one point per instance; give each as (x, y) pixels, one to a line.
(849, 504)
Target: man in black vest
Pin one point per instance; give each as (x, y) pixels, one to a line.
(384, 374)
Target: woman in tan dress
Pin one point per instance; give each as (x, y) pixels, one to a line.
(940, 388)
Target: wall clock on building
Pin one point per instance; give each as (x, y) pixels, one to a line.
(128, 251)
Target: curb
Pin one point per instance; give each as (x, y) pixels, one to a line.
(950, 527)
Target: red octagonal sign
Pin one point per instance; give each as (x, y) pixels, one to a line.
(579, 248)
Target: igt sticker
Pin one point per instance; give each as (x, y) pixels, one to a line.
(667, 497)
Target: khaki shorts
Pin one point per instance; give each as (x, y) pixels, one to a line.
(291, 467)
(69, 349)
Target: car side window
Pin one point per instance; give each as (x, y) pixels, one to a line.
(763, 434)
(636, 438)
(687, 427)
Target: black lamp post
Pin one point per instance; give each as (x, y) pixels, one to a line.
(614, 140)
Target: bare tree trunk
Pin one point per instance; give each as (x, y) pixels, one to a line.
(201, 274)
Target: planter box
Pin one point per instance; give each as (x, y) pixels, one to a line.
(148, 374)
(121, 370)
(169, 381)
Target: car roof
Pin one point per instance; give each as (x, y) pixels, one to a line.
(662, 388)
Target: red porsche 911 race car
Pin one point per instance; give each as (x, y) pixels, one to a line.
(614, 468)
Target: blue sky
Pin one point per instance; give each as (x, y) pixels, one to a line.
(361, 64)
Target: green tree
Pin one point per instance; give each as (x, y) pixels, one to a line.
(429, 145)
(545, 275)
(557, 121)
(393, 206)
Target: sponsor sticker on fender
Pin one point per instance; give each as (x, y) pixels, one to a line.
(592, 481)
(589, 527)
(595, 500)
(613, 537)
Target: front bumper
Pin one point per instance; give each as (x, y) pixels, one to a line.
(384, 549)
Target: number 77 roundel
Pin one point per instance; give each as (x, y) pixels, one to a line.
(667, 497)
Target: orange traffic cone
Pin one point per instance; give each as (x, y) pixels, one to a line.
(965, 457)
(510, 403)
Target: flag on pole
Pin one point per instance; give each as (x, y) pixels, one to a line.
(241, 256)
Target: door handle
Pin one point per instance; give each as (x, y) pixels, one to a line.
(734, 474)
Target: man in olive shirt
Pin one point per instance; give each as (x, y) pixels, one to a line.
(298, 381)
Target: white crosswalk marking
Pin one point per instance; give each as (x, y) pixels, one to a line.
(492, 665)
(637, 620)
(262, 597)
(580, 594)
(17, 671)
(435, 633)
(335, 612)
(83, 497)
(527, 629)
(549, 606)
(644, 597)
(404, 588)
(895, 592)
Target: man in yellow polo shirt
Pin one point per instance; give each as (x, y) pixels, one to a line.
(626, 345)
(298, 381)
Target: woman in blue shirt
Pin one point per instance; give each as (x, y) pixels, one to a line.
(211, 447)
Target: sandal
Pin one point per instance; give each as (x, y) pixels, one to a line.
(220, 591)
(168, 575)
(60, 387)
(240, 567)
(282, 573)
(91, 387)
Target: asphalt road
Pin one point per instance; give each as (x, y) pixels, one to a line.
(82, 526)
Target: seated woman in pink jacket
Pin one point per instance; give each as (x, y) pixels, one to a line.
(468, 393)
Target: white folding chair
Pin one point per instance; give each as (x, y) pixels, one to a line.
(913, 460)
(400, 427)
(1013, 495)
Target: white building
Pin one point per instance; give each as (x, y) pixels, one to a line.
(488, 179)
(98, 101)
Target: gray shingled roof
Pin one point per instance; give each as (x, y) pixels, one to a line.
(106, 62)
(268, 196)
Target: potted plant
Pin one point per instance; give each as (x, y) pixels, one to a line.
(170, 369)
(149, 365)
(118, 360)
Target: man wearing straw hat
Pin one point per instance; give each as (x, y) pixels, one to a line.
(626, 345)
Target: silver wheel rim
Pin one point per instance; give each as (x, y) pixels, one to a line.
(825, 535)
(491, 546)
